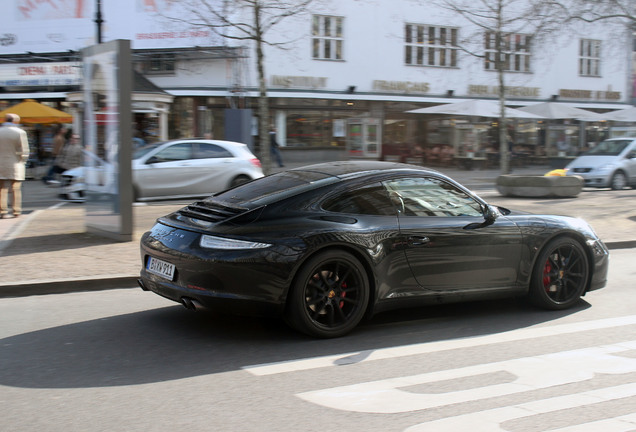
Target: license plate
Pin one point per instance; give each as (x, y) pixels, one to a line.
(160, 268)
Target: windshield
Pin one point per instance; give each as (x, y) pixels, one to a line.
(609, 148)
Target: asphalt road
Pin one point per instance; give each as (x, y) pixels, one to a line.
(130, 360)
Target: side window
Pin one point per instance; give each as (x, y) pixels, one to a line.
(367, 200)
(208, 151)
(177, 152)
(431, 197)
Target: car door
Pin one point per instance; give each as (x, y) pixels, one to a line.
(215, 166)
(166, 172)
(371, 216)
(449, 245)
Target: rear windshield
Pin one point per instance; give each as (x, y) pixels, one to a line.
(272, 188)
(609, 148)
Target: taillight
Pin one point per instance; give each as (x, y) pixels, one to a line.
(256, 162)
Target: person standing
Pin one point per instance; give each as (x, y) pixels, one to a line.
(14, 152)
(273, 146)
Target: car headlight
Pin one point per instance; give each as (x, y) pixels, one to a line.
(213, 242)
(597, 247)
(604, 168)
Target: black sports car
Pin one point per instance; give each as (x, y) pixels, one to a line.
(324, 245)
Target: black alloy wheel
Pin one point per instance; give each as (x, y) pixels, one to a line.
(560, 274)
(329, 296)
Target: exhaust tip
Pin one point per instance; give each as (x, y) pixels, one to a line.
(141, 285)
(187, 303)
(191, 304)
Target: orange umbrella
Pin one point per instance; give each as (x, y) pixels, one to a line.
(31, 111)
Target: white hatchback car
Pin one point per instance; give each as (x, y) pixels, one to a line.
(612, 163)
(183, 168)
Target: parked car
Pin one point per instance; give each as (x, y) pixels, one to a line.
(612, 163)
(327, 244)
(174, 169)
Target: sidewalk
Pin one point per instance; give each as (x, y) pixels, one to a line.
(48, 251)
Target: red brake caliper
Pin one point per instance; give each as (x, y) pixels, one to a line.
(546, 275)
(343, 294)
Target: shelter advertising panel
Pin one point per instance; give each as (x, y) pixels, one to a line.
(107, 139)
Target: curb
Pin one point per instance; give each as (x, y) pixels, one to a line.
(44, 287)
(627, 244)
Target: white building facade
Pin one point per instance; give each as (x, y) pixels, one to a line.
(342, 79)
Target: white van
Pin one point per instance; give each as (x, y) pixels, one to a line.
(612, 163)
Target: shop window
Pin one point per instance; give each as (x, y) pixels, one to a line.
(514, 52)
(430, 45)
(590, 58)
(327, 40)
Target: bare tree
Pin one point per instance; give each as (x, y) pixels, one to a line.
(598, 10)
(250, 21)
(496, 24)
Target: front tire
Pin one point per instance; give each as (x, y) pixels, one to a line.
(329, 296)
(560, 275)
(619, 181)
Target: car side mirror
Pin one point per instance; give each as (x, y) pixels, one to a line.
(152, 160)
(491, 213)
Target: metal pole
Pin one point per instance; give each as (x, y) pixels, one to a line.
(99, 21)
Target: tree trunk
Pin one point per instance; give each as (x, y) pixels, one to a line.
(263, 105)
(504, 160)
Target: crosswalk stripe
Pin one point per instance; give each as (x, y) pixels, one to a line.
(437, 346)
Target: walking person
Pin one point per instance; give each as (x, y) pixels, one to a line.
(14, 152)
(59, 143)
(69, 158)
(273, 145)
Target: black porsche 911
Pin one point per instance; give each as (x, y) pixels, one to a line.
(327, 244)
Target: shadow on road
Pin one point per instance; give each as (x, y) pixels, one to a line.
(172, 343)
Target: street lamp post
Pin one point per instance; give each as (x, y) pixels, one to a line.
(99, 21)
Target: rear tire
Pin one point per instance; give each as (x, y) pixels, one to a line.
(239, 180)
(560, 274)
(329, 296)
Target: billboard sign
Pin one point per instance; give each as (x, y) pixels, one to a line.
(41, 74)
(38, 26)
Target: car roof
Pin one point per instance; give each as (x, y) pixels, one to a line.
(347, 169)
(285, 184)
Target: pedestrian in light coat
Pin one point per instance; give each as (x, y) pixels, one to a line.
(14, 152)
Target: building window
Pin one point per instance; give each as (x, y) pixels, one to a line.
(159, 64)
(515, 52)
(590, 58)
(327, 38)
(430, 45)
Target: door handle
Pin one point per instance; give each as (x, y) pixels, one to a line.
(419, 240)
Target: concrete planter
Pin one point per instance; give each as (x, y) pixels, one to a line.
(539, 186)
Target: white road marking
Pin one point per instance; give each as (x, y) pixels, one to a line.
(390, 396)
(491, 420)
(430, 347)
